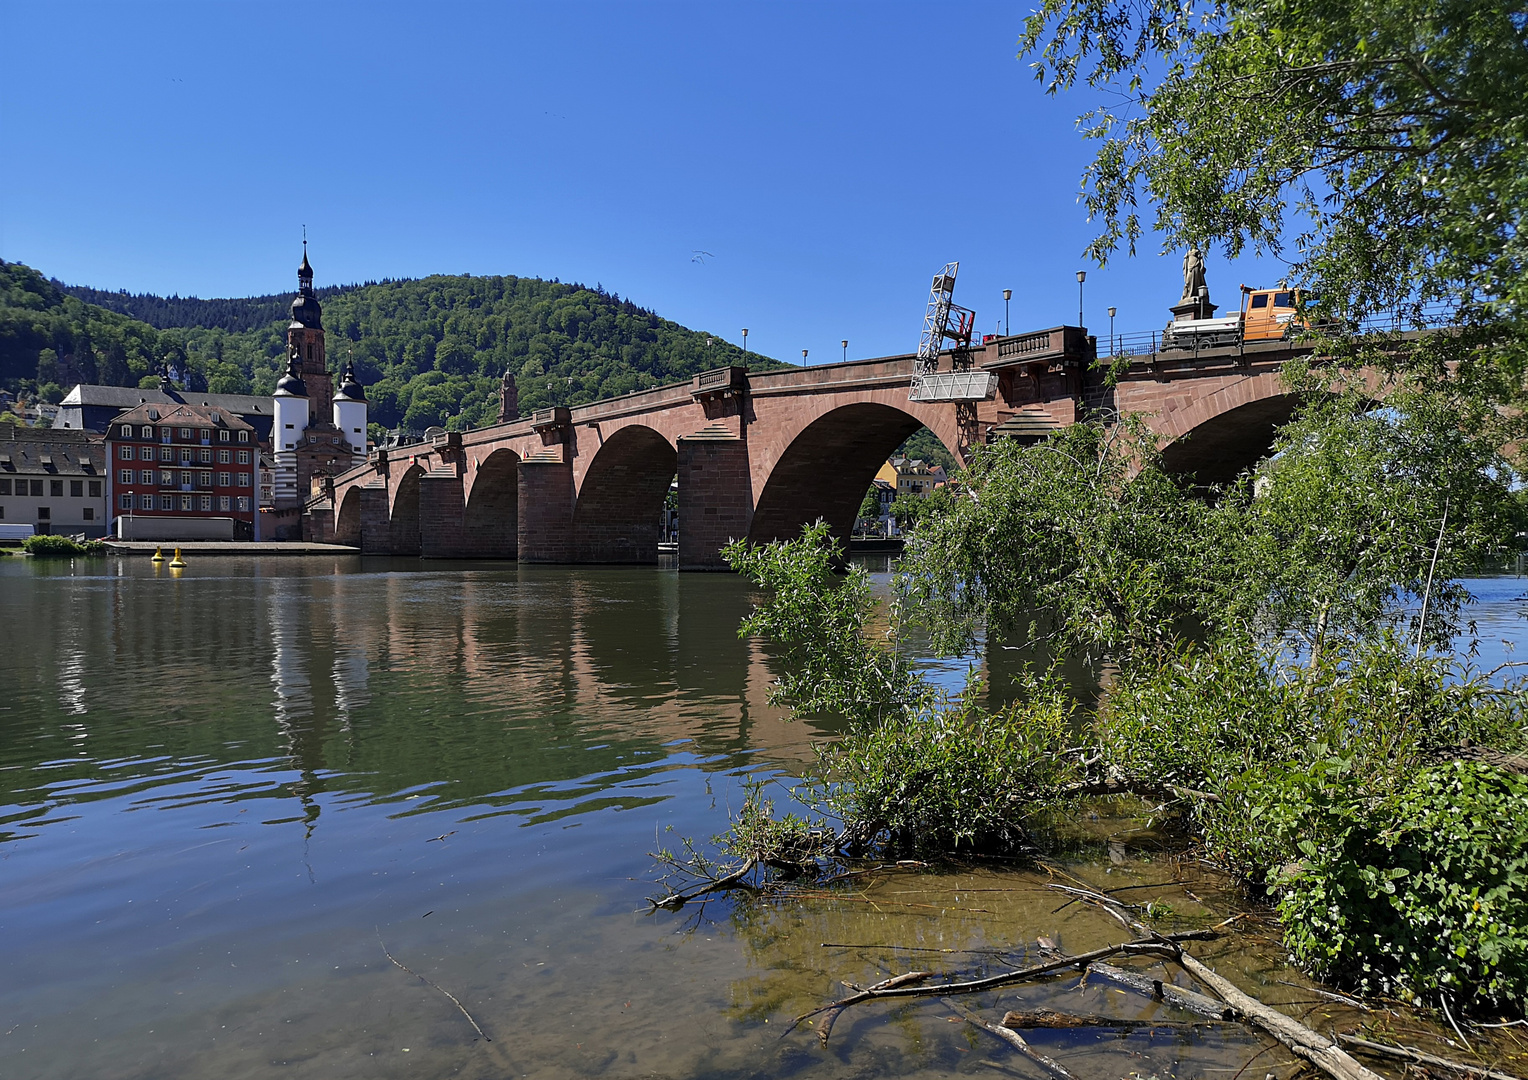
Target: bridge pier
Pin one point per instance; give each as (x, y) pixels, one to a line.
(442, 533)
(546, 511)
(376, 537)
(715, 498)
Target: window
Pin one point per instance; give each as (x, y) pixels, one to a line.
(146, 502)
(127, 431)
(166, 454)
(95, 489)
(166, 478)
(244, 479)
(146, 477)
(148, 432)
(223, 501)
(2, 513)
(206, 434)
(55, 489)
(206, 502)
(244, 436)
(204, 479)
(225, 479)
(126, 502)
(206, 457)
(185, 501)
(185, 479)
(243, 457)
(1259, 301)
(164, 434)
(1284, 299)
(36, 488)
(223, 436)
(125, 476)
(126, 453)
(223, 457)
(44, 513)
(76, 489)
(5, 487)
(185, 433)
(167, 502)
(289, 427)
(89, 513)
(185, 455)
(243, 504)
(147, 453)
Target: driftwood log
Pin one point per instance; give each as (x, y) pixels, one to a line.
(1405, 1053)
(1160, 990)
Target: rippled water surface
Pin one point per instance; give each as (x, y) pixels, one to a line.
(226, 796)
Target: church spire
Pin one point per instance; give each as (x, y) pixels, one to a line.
(305, 271)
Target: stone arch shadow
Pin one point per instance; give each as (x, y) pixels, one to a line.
(491, 518)
(616, 515)
(826, 470)
(347, 521)
(404, 517)
(1221, 447)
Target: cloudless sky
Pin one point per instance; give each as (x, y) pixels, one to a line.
(830, 157)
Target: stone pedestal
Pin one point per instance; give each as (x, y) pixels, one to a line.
(1197, 308)
(546, 511)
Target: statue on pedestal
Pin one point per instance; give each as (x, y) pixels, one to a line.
(1193, 273)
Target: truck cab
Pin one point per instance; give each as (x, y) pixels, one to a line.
(1268, 314)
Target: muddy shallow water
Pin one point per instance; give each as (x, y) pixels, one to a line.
(227, 796)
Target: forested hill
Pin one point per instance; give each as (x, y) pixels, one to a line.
(430, 351)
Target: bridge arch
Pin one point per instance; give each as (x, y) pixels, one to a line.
(616, 515)
(347, 520)
(1222, 446)
(404, 517)
(826, 469)
(491, 518)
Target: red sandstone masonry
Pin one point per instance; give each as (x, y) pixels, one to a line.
(546, 511)
(441, 532)
(715, 499)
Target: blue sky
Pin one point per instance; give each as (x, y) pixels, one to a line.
(829, 156)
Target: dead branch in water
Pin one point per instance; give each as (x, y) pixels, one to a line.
(825, 1027)
(1049, 1018)
(1015, 1040)
(676, 900)
(1161, 947)
(460, 1007)
(1407, 1054)
(1159, 990)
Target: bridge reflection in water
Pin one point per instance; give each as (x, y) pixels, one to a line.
(219, 790)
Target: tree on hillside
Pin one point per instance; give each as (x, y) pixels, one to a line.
(1382, 147)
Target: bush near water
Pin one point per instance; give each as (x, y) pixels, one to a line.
(1276, 681)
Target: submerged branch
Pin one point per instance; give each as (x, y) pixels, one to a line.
(676, 900)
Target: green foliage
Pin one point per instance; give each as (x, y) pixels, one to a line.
(925, 445)
(870, 505)
(60, 547)
(1417, 893)
(430, 351)
(1061, 541)
(1383, 144)
(909, 510)
(821, 622)
(953, 779)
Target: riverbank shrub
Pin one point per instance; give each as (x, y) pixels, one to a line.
(60, 547)
(1417, 893)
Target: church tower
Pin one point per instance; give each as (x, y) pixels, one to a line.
(305, 335)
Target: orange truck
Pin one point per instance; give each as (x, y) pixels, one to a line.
(1265, 315)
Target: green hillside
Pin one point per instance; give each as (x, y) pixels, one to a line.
(430, 351)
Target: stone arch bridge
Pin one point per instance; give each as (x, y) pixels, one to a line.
(760, 454)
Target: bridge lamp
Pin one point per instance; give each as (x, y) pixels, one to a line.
(1082, 275)
(1111, 331)
(745, 346)
(803, 358)
(845, 344)
(1007, 296)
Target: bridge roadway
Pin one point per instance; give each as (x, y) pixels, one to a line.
(760, 454)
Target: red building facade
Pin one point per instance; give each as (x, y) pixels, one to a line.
(183, 462)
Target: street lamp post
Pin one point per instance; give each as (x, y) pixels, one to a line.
(1007, 296)
(1082, 275)
(745, 346)
(845, 344)
(803, 358)
(1111, 331)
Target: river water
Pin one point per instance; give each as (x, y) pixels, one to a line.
(237, 802)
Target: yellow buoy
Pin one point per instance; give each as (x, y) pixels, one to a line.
(177, 563)
(158, 556)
